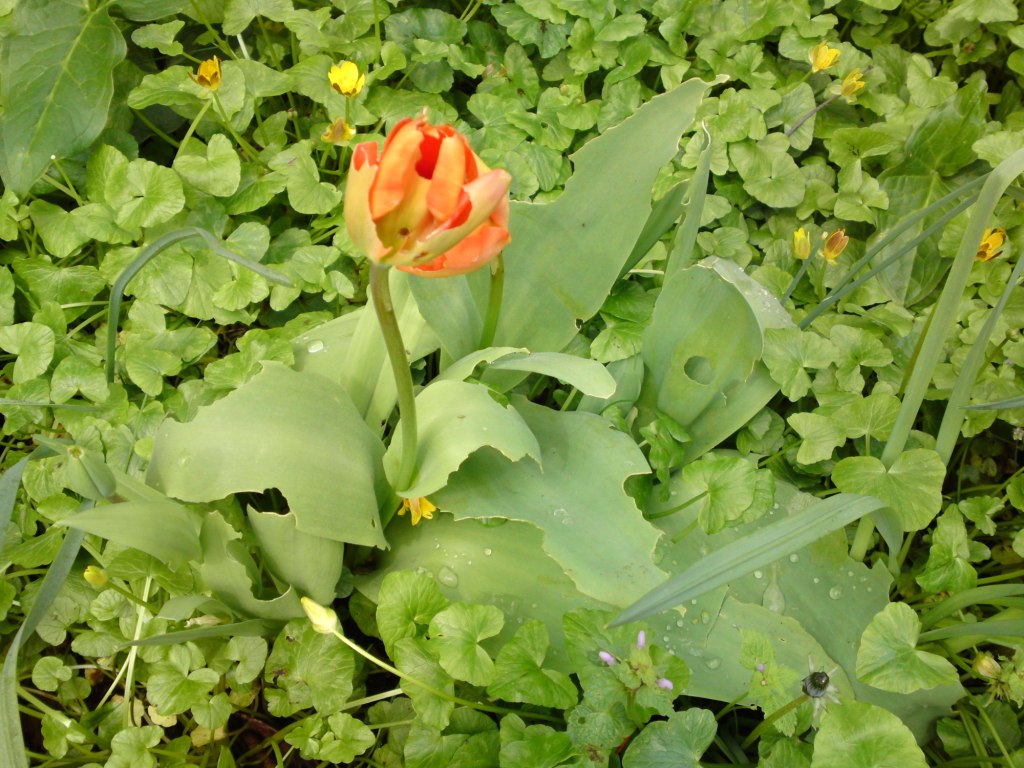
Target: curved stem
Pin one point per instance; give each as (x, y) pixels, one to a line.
(796, 280)
(192, 126)
(772, 718)
(380, 293)
(493, 302)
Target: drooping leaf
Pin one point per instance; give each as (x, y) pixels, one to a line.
(297, 432)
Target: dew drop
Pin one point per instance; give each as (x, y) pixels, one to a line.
(437, 546)
(705, 617)
(693, 602)
(758, 574)
(447, 577)
(816, 580)
(469, 562)
(315, 346)
(184, 460)
(712, 663)
(794, 558)
(488, 551)
(835, 593)
(664, 639)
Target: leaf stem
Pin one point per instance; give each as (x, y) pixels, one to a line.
(796, 280)
(494, 298)
(192, 127)
(380, 292)
(773, 717)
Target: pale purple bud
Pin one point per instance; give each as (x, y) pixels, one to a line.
(607, 658)
(760, 668)
(641, 639)
(665, 684)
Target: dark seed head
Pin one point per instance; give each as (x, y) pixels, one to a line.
(816, 685)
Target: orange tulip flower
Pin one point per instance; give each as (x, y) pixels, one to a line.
(426, 203)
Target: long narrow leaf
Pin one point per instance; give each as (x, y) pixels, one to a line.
(12, 742)
(760, 548)
(686, 238)
(985, 631)
(251, 628)
(976, 596)
(9, 482)
(1012, 402)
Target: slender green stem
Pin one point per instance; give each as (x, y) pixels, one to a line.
(862, 538)
(773, 717)
(147, 254)
(430, 689)
(796, 280)
(192, 126)
(494, 297)
(380, 292)
(248, 148)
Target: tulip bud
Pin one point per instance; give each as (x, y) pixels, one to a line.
(426, 203)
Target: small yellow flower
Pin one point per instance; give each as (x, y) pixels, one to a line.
(801, 244)
(851, 84)
(324, 620)
(991, 244)
(345, 79)
(95, 576)
(338, 132)
(418, 508)
(208, 74)
(822, 57)
(835, 244)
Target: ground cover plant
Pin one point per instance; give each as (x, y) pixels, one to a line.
(537, 383)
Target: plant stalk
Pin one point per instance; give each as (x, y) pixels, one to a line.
(494, 298)
(380, 293)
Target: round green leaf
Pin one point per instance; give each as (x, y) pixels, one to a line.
(911, 488)
(456, 633)
(215, 170)
(888, 658)
(861, 735)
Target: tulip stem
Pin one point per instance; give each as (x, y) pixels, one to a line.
(380, 292)
(493, 302)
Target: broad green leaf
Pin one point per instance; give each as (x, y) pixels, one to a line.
(60, 233)
(148, 10)
(174, 688)
(58, 63)
(406, 601)
(788, 352)
(160, 36)
(821, 435)
(306, 669)
(306, 193)
(873, 415)
(856, 348)
(238, 14)
(678, 742)
(911, 488)
(720, 487)
(455, 633)
(888, 657)
(563, 260)
(533, 746)
(132, 747)
(64, 284)
(33, 343)
(151, 194)
(414, 658)
(163, 529)
(519, 675)
(579, 492)
(861, 735)
(752, 551)
(859, 193)
(311, 564)
(455, 420)
(948, 568)
(214, 169)
(297, 432)
(769, 174)
(925, 89)
(146, 367)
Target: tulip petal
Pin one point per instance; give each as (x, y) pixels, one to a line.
(483, 197)
(358, 221)
(470, 254)
(448, 178)
(397, 169)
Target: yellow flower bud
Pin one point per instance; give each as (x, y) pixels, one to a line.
(801, 244)
(95, 576)
(987, 666)
(324, 620)
(345, 79)
(991, 244)
(338, 132)
(851, 84)
(822, 57)
(208, 74)
(835, 244)
(418, 508)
